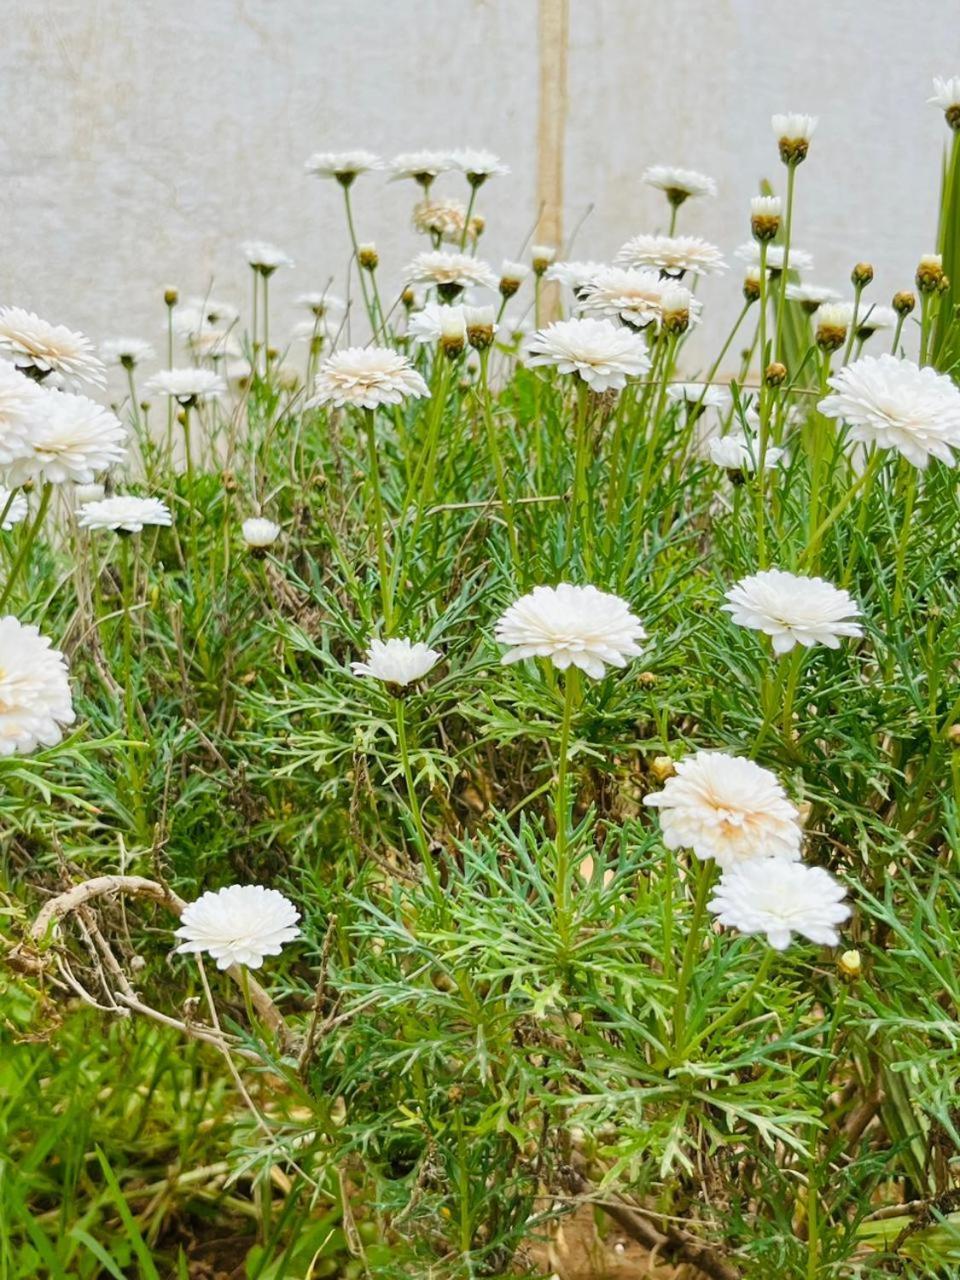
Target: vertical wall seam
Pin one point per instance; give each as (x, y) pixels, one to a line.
(553, 39)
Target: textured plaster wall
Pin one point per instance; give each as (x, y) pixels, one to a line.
(142, 140)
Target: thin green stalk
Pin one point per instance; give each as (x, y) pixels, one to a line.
(760, 475)
(736, 1008)
(852, 332)
(422, 841)
(691, 952)
(356, 257)
(373, 467)
(562, 807)
(496, 459)
(903, 540)
(26, 545)
(787, 228)
(579, 515)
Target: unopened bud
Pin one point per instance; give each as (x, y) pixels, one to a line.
(453, 331)
(849, 965)
(765, 217)
(862, 274)
(904, 302)
(480, 326)
(662, 768)
(542, 255)
(775, 374)
(171, 297)
(512, 276)
(368, 257)
(409, 299)
(751, 286)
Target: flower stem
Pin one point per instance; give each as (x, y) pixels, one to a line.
(26, 545)
(373, 467)
(733, 1010)
(562, 807)
(493, 444)
(691, 951)
(578, 515)
(422, 841)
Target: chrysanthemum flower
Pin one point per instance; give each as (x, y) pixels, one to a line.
(15, 507)
(601, 353)
(210, 343)
(72, 438)
(800, 260)
(421, 166)
(873, 319)
(366, 377)
(128, 352)
(345, 166)
(726, 808)
(259, 532)
(21, 402)
(197, 312)
(397, 661)
(265, 257)
(424, 325)
(321, 304)
(443, 218)
(478, 165)
(736, 452)
(124, 513)
(779, 899)
(811, 296)
(450, 272)
(636, 297)
(673, 255)
(42, 348)
(678, 184)
(574, 275)
(34, 692)
(572, 626)
(705, 395)
(946, 96)
(238, 925)
(188, 386)
(793, 132)
(895, 404)
(793, 609)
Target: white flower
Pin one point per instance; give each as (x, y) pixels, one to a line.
(342, 165)
(238, 925)
(678, 184)
(792, 609)
(259, 532)
(215, 344)
(34, 692)
(811, 296)
(366, 377)
(726, 808)
(478, 165)
(603, 354)
(793, 127)
(321, 303)
(450, 271)
(702, 394)
(186, 385)
(72, 438)
(779, 899)
(873, 318)
(946, 96)
(895, 404)
(35, 343)
(15, 508)
(736, 452)
(126, 351)
(443, 218)
(637, 297)
(124, 513)
(672, 254)
(575, 275)
(424, 326)
(88, 493)
(265, 257)
(516, 272)
(397, 661)
(800, 260)
(542, 255)
(195, 313)
(422, 166)
(572, 626)
(21, 401)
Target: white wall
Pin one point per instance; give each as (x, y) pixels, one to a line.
(142, 140)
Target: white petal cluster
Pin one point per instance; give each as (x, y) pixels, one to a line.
(34, 692)
(71, 439)
(811, 295)
(749, 253)
(793, 609)
(321, 303)
(438, 267)
(708, 395)
(21, 404)
(780, 899)
(478, 165)
(572, 626)
(726, 808)
(186, 385)
(35, 343)
(397, 661)
(238, 925)
(126, 351)
(124, 513)
(424, 326)
(673, 255)
(946, 92)
(637, 297)
(793, 127)
(258, 532)
(736, 452)
(264, 256)
(574, 275)
(342, 164)
(15, 508)
(896, 404)
(420, 165)
(675, 181)
(366, 377)
(601, 353)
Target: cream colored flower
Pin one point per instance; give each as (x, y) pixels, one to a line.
(71, 439)
(188, 386)
(45, 348)
(259, 532)
(397, 661)
(366, 377)
(572, 626)
(124, 513)
(792, 609)
(238, 925)
(678, 184)
(779, 899)
(673, 255)
(604, 355)
(637, 297)
(34, 692)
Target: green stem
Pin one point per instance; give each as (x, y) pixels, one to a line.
(493, 444)
(788, 223)
(562, 807)
(373, 466)
(422, 841)
(760, 476)
(356, 257)
(738, 1005)
(904, 539)
(691, 951)
(579, 515)
(26, 545)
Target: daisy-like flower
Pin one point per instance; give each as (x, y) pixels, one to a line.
(321, 304)
(258, 532)
(424, 326)
(188, 386)
(678, 184)
(572, 626)
(765, 217)
(946, 96)
(793, 609)
(793, 132)
(895, 404)
(265, 257)
(443, 218)
(34, 692)
(726, 808)
(128, 352)
(800, 260)
(238, 925)
(478, 165)
(88, 493)
(779, 899)
(637, 297)
(874, 318)
(366, 377)
(601, 353)
(704, 395)
(197, 312)
(735, 452)
(20, 404)
(450, 272)
(673, 255)
(512, 276)
(574, 275)
(13, 508)
(124, 513)
(345, 166)
(71, 440)
(397, 661)
(210, 343)
(421, 166)
(811, 296)
(42, 348)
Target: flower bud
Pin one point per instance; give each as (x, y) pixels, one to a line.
(453, 331)
(480, 326)
(675, 309)
(833, 320)
(929, 272)
(793, 134)
(171, 297)
(512, 276)
(751, 285)
(862, 274)
(542, 256)
(775, 374)
(409, 299)
(849, 965)
(765, 217)
(368, 257)
(662, 768)
(903, 302)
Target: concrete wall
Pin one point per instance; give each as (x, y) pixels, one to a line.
(144, 139)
